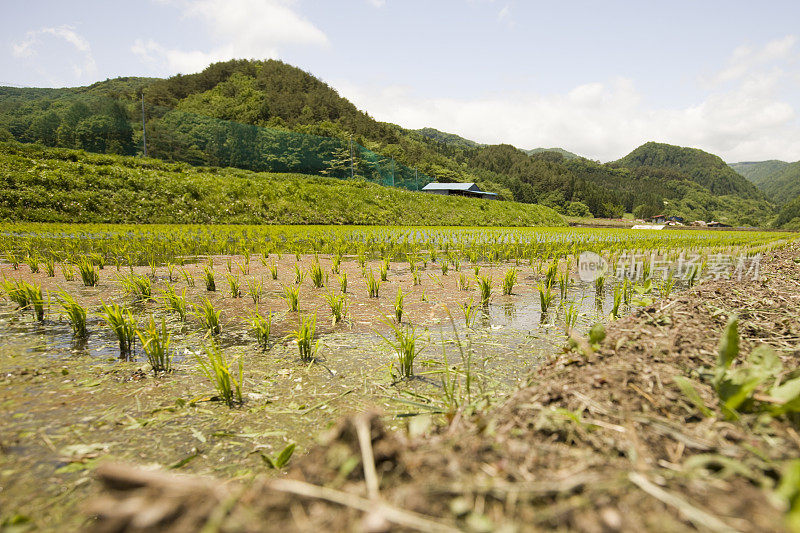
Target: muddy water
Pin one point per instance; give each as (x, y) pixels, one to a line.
(66, 405)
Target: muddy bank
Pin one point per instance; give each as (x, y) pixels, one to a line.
(600, 440)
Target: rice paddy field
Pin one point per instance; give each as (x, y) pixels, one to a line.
(227, 350)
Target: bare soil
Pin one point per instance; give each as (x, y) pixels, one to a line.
(597, 441)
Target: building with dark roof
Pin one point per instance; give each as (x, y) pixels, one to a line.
(459, 189)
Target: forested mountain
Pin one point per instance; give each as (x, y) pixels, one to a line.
(567, 154)
(706, 169)
(779, 180)
(270, 116)
(448, 138)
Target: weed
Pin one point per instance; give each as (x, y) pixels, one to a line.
(280, 460)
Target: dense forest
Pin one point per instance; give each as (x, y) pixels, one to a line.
(270, 116)
(779, 180)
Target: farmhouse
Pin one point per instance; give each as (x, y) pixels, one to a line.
(458, 189)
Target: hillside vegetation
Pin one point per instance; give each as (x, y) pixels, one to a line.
(779, 180)
(59, 185)
(232, 113)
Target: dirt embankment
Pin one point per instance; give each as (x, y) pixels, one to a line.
(599, 441)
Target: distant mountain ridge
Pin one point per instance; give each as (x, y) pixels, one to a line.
(567, 154)
(706, 169)
(779, 180)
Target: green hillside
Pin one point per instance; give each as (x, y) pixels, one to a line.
(779, 180)
(59, 185)
(708, 170)
(450, 139)
(273, 117)
(567, 154)
(789, 215)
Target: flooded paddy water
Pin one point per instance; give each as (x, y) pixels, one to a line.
(68, 404)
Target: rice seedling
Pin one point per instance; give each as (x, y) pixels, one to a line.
(563, 285)
(175, 303)
(68, 271)
(361, 258)
(666, 286)
(338, 306)
(16, 292)
(599, 286)
(89, 273)
(456, 264)
(477, 271)
(50, 267)
(445, 266)
(13, 259)
(304, 335)
(618, 297)
(485, 287)
(273, 271)
(385, 272)
(208, 277)
(171, 272)
(343, 282)
(122, 324)
(35, 299)
(208, 316)
(155, 343)
(75, 313)
(405, 347)
(292, 296)
(508, 281)
(463, 282)
(187, 277)
(229, 264)
(570, 318)
(317, 275)
(261, 327)
(550, 275)
(694, 273)
(398, 305)
(415, 278)
(244, 267)
(335, 263)
(546, 296)
(373, 285)
(137, 286)
(254, 289)
(220, 372)
(33, 264)
(299, 274)
(234, 287)
(469, 309)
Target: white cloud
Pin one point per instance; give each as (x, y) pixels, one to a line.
(377, 3)
(82, 68)
(746, 58)
(602, 120)
(239, 29)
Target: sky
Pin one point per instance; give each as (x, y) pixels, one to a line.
(598, 78)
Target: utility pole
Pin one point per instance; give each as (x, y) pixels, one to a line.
(144, 130)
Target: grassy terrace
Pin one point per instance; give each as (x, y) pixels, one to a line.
(54, 185)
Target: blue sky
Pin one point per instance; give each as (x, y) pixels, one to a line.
(597, 78)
